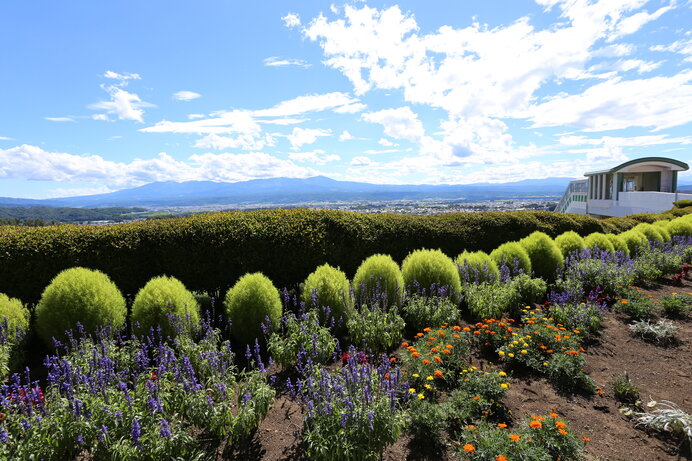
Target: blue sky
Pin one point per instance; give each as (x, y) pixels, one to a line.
(96, 97)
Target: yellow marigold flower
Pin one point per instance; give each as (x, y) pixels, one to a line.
(504, 385)
(524, 351)
(416, 375)
(412, 390)
(421, 396)
(501, 353)
(502, 373)
(428, 386)
(511, 354)
(429, 378)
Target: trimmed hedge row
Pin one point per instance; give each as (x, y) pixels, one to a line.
(210, 251)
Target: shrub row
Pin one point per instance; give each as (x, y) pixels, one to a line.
(207, 251)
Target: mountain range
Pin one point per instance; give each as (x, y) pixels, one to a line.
(286, 191)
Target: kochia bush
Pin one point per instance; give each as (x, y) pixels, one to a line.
(679, 226)
(159, 298)
(508, 252)
(16, 314)
(634, 240)
(248, 303)
(328, 287)
(599, 240)
(79, 295)
(569, 242)
(431, 270)
(477, 267)
(662, 227)
(651, 232)
(379, 278)
(618, 243)
(544, 253)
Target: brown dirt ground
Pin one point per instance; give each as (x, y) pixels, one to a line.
(660, 373)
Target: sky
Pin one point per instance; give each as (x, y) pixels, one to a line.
(101, 96)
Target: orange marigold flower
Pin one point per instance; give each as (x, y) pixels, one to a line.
(502, 425)
(437, 359)
(467, 329)
(535, 424)
(553, 415)
(476, 398)
(404, 344)
(426, 362)
(562, 431)
(457, 336)
(468, 448)
(426, 330)
(586, 439)
(415, 355)
(477, 333)
(501, 458)
(434, 350)
(470, 427)
(560, 425)
(419, 335)
(438, 374)
(456, 328)
(514, 437)
(449, 346)
(392, 360)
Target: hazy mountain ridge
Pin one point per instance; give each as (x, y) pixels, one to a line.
(293, 190)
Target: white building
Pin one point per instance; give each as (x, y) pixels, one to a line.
(643, 185)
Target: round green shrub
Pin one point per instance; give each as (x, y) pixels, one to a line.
(618, 243)
(679, 226)
(160, 297)
(248, 303)
(651, 232)
(430, 270)
(376, 276)
(600, 240)
(79, 295)
(331, 289)
(662, 227)
(508, 252)
(568, 242)
(479, 265)
(16, 314)
(544, 253)
(634, 240)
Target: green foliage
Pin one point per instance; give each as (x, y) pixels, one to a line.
(79, 295)
(682, 203)
(662, 228)
(379, 279)
(431, 272)
(489, 300)
(636, 307)
(624, 389)
(567, 372)
(301, 333)
(569, 242)
(508, 253)
(209, 251)
(546, 257)
(375, 329)
(253, 298)
(599, 240)
(679, 226)
(618, 243)
(16, 314)
(159, 298)
(662, 332)
(420, 311)
(635, 241)
(327, 290)
(427, 421)
(529, 290)
(477, 267)
(676, 306)
(650, 231)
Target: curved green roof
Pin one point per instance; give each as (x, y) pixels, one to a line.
(682, 165)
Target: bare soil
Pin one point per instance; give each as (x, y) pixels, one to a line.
(660, 373)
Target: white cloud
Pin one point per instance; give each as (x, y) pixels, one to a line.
(122, 77)
(33, 163)
(361, 160)
(124, 105)
(632, 24)
(5, 138)
(683, 47)
(318, 157)
(275, 61)
(400, 123)
(245, 141)
(77, 191)
(291, 20)
(659, 102)
(380, 151)
(307, 103)
(195, 116)
(633, 141)
(345, 136)
(350, 108)
(59, 119)
(185, 95)
(100, 117)
(385, 142)
(302, 136)
(237, 121)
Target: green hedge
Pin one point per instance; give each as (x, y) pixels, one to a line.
(210, 251)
